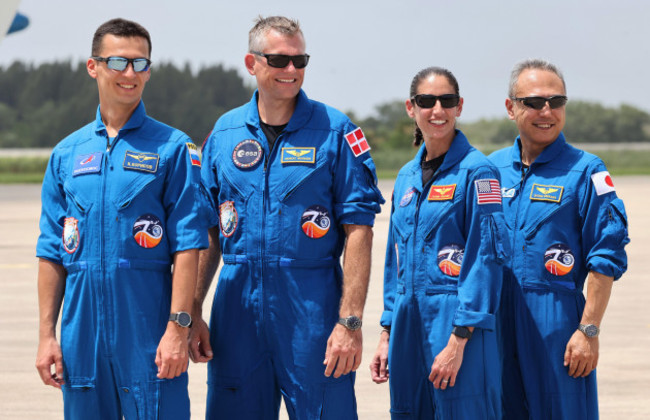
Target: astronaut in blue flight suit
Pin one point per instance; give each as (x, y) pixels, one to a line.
(444, 268)
(294, 187)
(566, 224)
(121, 201)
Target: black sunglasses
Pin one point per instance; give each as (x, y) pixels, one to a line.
(539, 102)
(280, 61)
(120, 63)
(449, 100)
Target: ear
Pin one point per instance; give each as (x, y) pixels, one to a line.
(410, 108)
(459, 108)
(510, 108)
(249, 61)
(91, 67)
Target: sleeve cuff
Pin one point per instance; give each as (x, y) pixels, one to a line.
(474, 319)
(386, 319)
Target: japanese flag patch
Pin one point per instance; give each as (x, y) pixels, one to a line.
(603, 182)
(357, 142)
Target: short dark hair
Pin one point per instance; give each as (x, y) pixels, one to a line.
(423, 74)
(119, 27)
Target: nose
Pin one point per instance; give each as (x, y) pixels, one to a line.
(129, 70)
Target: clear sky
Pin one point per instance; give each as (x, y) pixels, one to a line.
(365, 53)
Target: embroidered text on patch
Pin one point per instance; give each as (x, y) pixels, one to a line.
(141, 161)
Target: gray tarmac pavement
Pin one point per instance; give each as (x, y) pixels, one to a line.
(623, 370)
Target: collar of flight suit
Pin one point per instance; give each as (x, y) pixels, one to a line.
(299, 119)
(135, 121)
(550, 153)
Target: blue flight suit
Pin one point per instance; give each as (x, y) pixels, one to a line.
(281, 214)
(444, 267)
(114, 217)
(564, 220)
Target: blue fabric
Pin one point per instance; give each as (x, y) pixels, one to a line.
(117, 291)
(278, 293)
(422, 303)
(541, 309)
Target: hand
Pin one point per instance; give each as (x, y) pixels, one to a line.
(172, 355)
(343, 351)
(447, 363)
(49, 353)
(581, 355)
(199, 341)
(379, 364)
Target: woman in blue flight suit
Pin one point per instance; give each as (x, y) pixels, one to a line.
(443, 271)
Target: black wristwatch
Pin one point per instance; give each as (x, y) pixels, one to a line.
(352, 322)
(183, 319)
(462, 332)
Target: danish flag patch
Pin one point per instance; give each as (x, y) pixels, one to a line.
(357, 142)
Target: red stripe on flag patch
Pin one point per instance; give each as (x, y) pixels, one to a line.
(488, 191)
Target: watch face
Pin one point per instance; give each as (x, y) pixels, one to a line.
(591, 330)
(184, 319)
(354, 323)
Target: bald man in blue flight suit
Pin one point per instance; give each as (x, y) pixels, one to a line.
(566, 225)
(295, 187)
(121, 202)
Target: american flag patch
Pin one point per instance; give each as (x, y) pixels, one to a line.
(357, 142)
(488, 191)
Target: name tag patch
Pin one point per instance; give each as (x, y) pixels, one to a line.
(87, 164)
(140, 161)
(441, 192)
(298, 155)
(551, 193)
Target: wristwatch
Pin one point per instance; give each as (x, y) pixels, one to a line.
(590, 330)
(462, 332)
(183, 319)
(352, 322)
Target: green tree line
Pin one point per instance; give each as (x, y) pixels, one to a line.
(40, 105)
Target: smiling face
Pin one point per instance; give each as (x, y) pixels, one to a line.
(121, 89)
(437, 124)
(537, 128)
(277, 84)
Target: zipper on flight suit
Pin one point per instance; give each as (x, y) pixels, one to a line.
(265, 200)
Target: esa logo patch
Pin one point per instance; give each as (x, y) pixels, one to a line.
(140, 161)
(315, 221)
(558, 259)
(247, 154)
(147, 231)
(70, 234)
(407, 197)
(228, 218)
(546, 193)
(298, 155)
(87, 164)
(450, 259)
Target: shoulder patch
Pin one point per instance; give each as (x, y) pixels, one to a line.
(357, 142)
(488, 191)
(603, 182)
(546, 193)
(195, 158)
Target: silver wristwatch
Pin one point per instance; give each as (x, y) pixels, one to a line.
(590, 330)
(352, 322)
